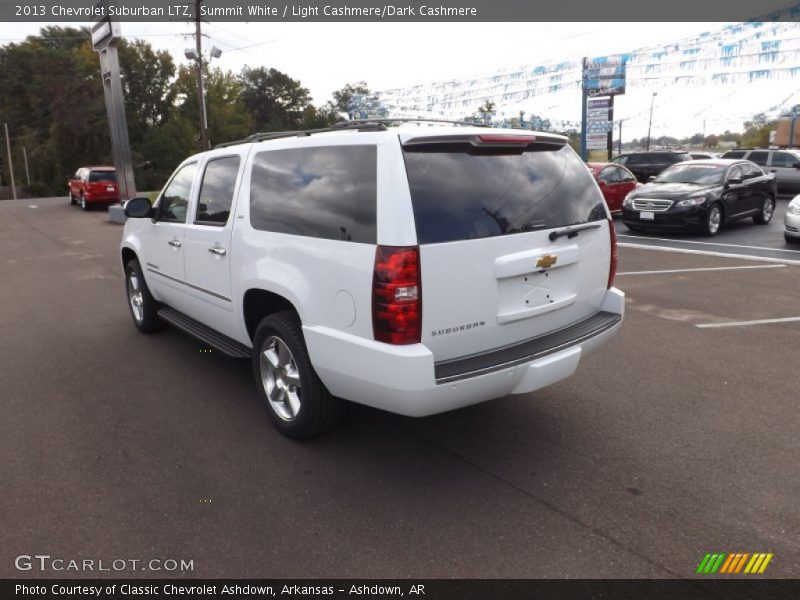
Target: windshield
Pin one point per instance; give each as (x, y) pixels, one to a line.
(699, 174)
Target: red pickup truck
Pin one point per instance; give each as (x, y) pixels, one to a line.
(93, 185)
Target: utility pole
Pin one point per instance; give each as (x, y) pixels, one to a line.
(650, 123)
(619, 138)
(10, 164)
(201, 101)
(27, 173)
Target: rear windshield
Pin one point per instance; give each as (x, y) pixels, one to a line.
(110, 176)
(460, 193)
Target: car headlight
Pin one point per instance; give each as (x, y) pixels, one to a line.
(794, 207)
(628, 202)
(692, 201)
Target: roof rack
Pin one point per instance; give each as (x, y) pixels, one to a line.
(357, 125)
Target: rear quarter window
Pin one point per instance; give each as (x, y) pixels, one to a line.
(459, 193)
(327, 192)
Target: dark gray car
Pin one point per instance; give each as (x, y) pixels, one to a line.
(784, 163)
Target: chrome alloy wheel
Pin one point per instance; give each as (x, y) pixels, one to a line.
(135, 297)
(280, 378)
(714, 219)
(766, 210)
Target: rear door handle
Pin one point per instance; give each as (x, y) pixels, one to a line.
(175, 243)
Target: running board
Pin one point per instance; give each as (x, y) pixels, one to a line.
(204, 333)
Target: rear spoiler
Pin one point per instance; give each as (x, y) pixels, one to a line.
(519, 141)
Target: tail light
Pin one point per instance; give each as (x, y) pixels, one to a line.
(397, 295)
(612, 269)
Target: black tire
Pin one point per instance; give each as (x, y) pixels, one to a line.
(149, 320)
(318, 410)
(765, 216)
(791, 240)
(84, 204)
(712, 224)
(72, 201)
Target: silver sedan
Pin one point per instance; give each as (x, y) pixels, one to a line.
(791, 224)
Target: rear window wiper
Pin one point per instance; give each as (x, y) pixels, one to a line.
(573, 230)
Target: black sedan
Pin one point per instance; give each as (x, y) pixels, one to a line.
(701, 194)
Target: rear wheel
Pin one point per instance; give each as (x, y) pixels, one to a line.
(297, 401)
(767, 210)
(713, 220)
(72, 200)
(84, 204)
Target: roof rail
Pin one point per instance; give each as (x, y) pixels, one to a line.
(358, 125)
(275, 135)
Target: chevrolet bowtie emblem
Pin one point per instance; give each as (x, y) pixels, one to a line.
(546, 261)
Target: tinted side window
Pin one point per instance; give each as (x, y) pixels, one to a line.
(760, 158)
(609, 175)
(620, 160)
(175, 198)
(783, 159)
(662, 158)
(734, 154)
(216, 191)
(751, 171)
(681, 157)
(637, 159)
(323, 192)
(735, 173)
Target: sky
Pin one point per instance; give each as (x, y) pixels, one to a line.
(325, 56)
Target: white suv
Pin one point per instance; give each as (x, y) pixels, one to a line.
(416, 270)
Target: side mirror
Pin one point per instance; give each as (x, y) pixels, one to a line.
(138, 208)
(735, 181)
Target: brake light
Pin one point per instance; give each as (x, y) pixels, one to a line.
(397, 295)
(612, 269)
(506, 140)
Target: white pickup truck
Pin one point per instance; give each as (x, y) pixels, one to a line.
(413, 269)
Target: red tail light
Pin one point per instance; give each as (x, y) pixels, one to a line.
(397, 295)
(612, 269)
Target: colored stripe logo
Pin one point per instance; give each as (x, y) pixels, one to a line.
(734, 563)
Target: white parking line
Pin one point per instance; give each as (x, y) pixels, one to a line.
(709, 253)
(745, 323)
(702, 269)
(678, 241)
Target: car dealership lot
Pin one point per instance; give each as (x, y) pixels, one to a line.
(676, 440)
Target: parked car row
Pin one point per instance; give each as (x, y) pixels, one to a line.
(93, 186)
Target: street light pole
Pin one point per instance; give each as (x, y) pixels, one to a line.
(650, 123)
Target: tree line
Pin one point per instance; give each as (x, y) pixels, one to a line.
(53, 102)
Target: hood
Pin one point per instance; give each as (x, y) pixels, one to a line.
(659, 190)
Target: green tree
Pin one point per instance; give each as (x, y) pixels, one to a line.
(341, 97)
(275, 101)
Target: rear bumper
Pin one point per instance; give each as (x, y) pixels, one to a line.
(403, 379)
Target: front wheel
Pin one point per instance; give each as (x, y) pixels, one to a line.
(713, 220)
(72, 200)
(142, 305)
(297, 401)
(767, 210)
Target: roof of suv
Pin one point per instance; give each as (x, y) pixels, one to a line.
(379, 126)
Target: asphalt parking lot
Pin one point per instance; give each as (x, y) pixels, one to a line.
(678, 439)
